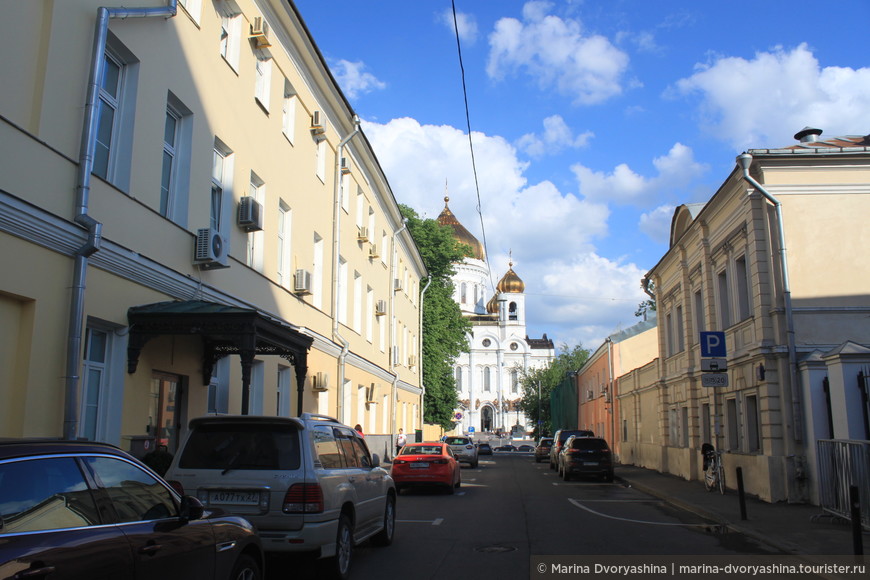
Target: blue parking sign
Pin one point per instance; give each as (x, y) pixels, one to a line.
(713, 344)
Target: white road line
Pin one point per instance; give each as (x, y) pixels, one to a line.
(430, 522)
(583, 507)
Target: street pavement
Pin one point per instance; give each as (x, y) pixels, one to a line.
(798, 529)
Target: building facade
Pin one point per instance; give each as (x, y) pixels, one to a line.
(765, 261)
(192, 222)
(488, 375)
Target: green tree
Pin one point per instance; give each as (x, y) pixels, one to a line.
(445, 330)
(538, 383)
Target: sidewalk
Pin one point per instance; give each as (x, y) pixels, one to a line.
(790, 528)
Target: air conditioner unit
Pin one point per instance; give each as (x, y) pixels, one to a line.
(373, 251)
(317, 124)
(250, 214)
(396, 356)
(380, 308)
(397, 284)
(412, 360)
(320, 382)
(363, 234)
(260, 32)
(210, 251)
(302, 282)
(371, 393)
(345, 165)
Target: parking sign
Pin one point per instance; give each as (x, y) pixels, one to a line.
(713, 344)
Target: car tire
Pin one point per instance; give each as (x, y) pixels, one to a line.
(246, 568)
(566, 475)
(337, 567)
(474, 464)
(385, 536)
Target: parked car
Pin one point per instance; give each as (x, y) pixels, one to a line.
(586, 456)
(525, 448)
(309, 484)
(426, 464)
(463, 449)
(484, 448)
(559, 439)
(542, 450)
(506, 448)
(73, 509)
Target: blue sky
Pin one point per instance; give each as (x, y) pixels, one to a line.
(590, 120)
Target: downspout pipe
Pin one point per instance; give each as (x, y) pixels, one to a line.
(393, 340)
(420, 349)
(745, 162)
(94, 228)
(336, 255)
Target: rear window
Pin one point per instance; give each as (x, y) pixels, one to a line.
(592, 444)
(421, 450)
(458, 441)
(563, 436)
(241, 446)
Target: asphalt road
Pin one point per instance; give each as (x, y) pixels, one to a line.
(510, 509)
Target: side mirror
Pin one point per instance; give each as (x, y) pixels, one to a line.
(190, 509)
(376, 461)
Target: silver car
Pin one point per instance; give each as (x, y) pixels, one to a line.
(464, 449)
(309, 484)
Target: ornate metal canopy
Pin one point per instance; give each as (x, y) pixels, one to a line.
(224, 330)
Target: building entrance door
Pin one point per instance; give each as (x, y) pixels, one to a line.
(486, 419)
(164, 417)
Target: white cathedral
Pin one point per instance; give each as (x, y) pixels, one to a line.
(487, 376)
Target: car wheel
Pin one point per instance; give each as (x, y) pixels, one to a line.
(385, 536)
(338, 566)
(246, 568)
(566, 475)
(474, 464)
(552, 467)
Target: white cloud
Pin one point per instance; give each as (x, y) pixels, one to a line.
(676, 170)
(354, 80)
(556, 137)
(465, 23)
(763, 102)
(555, 52)
(657, 223)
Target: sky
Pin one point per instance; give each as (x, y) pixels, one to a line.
(591, 122)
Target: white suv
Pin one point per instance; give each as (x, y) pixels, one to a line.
(309, 484)
(464, 449)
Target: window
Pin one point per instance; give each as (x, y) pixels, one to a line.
(288, 112)
(221, 180)
(357, 302)
(115, 114)
(264, 80)
(94, 371)
(706, 432)
(732, 424)
(219, 388)
(462, 293)
(513, 312)
(681, 339)
(175, 174)
(699, 313)
(257, 190)
(724, 300)
(317, 275)
(669, 334)
(486, 379)
(134, 493)
(741, 281)
(753, 439)
(370, 311)
(342, 290)
(285, 269)
(283, 398)
(193, 7)
(515, 381)
(684, 426)
(320, 161)
(231, 34)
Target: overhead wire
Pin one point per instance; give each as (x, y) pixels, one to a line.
(471, 143)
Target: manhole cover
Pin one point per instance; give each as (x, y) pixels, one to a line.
(495, 549)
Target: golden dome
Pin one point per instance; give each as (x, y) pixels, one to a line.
(492, 305)
(462, 235)
(510, 282)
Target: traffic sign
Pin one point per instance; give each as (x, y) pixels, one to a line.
(714, 380)
(714, 365)
(471, 429)
(713, 344)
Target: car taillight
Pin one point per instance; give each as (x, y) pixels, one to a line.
(399, 461)
(303, 498)
(439, 461)
(176, 485)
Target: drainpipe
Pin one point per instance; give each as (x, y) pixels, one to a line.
(336, 254)
(420, 349)
(393, 363)
(83, 188)
(745, 161)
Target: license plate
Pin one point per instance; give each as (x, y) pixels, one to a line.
(590, 463)
(419, 465)
(234, 497)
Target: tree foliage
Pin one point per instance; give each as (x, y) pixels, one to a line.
(537, 385)
(444, 330)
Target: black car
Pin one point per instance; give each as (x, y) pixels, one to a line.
(586, 456)
(542, 450)
(484, 449)
(73, 509)
(559, 439)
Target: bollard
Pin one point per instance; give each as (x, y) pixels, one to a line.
(855, 509)
(740, 493)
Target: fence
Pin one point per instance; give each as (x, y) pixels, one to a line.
(842, 464)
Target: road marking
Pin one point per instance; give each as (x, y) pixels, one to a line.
(592, 511)
(430, 522)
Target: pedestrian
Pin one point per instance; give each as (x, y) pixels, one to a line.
(400, 441)
(358, 429)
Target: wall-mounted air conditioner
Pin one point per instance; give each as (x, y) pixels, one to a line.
(250, 214)
(302, 282)
(396, 356)
(320, 382)
(380, 307)
(363, 234)
(317, 123)
(345, 165)
(210, 250)
(260, 32)
(373, 251)
(397, 284)
(412, 360)
(371, 393)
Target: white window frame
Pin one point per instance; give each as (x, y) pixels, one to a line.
(357, 302)
(288, 112)
(285, 245)
(193, 9)
(221, 185)
(341, 315)
(320, 161)
(231, 35)
(107, 399)
(317, 274)
(254, 253)
(263, 86)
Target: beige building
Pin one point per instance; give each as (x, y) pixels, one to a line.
(770, 261)
(192, 222)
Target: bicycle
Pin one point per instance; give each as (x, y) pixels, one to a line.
(714, 472)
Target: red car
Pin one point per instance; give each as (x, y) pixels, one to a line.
(426, 464)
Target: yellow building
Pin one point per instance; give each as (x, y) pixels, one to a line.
(192, 222)
(770, 260)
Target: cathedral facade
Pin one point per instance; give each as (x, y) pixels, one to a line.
(488, 374)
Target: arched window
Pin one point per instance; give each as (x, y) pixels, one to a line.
(463, 289)
(512, 311)
(486, 379)
(515, 381)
